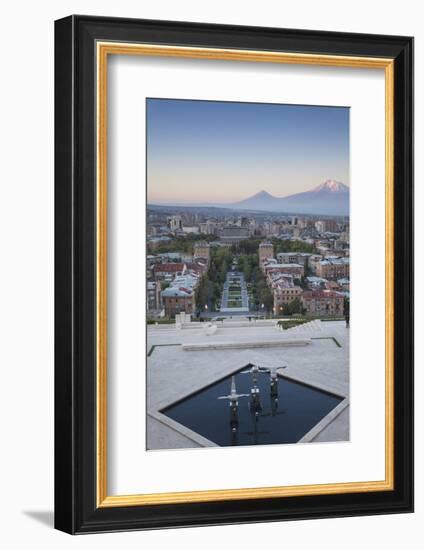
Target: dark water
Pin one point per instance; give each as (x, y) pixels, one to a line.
(277, 419)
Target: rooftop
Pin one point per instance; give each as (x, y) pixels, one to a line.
(330, 260)
(281, 267)
(322, 294)
(177, 292)
(182, 286)
(169, 267)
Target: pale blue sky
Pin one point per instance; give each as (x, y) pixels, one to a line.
(207, 151)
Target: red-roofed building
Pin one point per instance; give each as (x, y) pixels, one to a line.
(323, 302)
(198, 267)
(162, 271)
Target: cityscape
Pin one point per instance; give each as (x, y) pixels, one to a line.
(259, 281)
(256, 264)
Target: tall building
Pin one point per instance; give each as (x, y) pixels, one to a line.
(326, 226)
(209, 227)
(175, 223)
(242, 221)
(266, 251)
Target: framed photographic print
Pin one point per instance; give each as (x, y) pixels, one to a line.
(233, 271)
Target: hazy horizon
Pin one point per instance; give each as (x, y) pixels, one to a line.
(214, 202)
(223, 152)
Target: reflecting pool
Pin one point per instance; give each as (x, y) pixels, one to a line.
(253, 407)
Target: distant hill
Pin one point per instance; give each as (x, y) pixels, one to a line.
(260, 201)
(329, 198)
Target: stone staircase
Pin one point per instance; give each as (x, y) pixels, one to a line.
(310, 326)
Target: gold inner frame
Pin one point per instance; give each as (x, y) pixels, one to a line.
(103, 50)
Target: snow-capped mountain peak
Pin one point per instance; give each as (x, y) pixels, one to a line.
(332, 186)
(263, 195)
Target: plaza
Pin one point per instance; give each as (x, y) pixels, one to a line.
(185, 357)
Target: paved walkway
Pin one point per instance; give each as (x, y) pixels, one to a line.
(234, 277)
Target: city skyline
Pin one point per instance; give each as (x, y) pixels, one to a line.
(209, 151)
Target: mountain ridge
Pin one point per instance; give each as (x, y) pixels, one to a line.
(329, 197)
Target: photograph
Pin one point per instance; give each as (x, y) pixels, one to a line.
(247, 273)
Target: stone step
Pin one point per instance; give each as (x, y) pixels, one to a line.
(314, 326)
(246, 344)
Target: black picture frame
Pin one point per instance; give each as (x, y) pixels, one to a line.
(76, 510)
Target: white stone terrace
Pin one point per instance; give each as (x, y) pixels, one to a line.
(177, 368)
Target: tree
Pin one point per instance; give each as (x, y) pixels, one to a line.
(202, 292)
(291, 246)
(248, 246)
(295, 306)
(223, 271)
(241, 263)
(247, 272)
(211, 288)
(266, 298)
